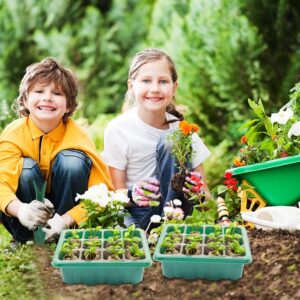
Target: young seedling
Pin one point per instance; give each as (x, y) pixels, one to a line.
(92, 253)
(236, 249)
(215, 248)
(136, 252)
(192, 248)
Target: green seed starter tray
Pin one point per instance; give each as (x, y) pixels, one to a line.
(202, 266)
(91, 272)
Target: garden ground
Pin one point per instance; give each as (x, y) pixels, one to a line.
(273, 274)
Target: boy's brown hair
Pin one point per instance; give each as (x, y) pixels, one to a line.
(47, 71)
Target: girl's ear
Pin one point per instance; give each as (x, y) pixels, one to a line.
(129, 84)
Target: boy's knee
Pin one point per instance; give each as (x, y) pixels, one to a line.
(30, 169)
(72, 162)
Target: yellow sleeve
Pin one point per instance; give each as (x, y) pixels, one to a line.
(11, 163)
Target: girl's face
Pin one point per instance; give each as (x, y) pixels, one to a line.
(47, 105)
(153, 88)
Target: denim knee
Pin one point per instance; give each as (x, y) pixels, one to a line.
(71, 161)
(30, 171)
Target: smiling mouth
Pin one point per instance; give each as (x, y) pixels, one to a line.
(46, 108)
(154, 99)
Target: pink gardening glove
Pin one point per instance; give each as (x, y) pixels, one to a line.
(146, 192)
(193, 186)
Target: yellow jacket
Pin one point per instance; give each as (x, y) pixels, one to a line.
(21, 139)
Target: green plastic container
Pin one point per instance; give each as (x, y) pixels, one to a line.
(101, 271)
(277, 181)
(202, 266)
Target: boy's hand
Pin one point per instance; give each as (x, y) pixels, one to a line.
(54, 227)
(146, 192)
(35, 213)
(193, 186)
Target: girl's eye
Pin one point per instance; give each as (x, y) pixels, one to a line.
(38, 91)
(146, 80)
(57, 93)
(164, 81)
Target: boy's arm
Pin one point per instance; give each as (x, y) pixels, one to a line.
(31, 214)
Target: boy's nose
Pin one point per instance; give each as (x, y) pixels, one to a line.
(47, 96)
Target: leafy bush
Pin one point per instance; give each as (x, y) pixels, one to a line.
(216, 53)
(6, 114)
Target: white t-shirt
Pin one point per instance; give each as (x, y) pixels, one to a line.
(130, 144)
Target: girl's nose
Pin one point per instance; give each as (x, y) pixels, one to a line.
(154, 87)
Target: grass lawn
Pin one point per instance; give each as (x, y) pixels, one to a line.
(18, 272)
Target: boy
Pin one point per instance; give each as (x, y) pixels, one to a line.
(45, 144)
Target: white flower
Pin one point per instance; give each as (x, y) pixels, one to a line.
(120, 196)
(155, 219)
(177, 202)
(294, 130)
(168, 210)
(178, 214)
(96, 193)
(152, 239)
(282, 116)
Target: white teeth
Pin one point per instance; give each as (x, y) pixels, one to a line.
(46, 108)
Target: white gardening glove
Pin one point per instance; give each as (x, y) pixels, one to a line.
(54, 227)
(35, 213)
(146, 192)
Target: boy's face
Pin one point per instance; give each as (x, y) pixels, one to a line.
(47, 105)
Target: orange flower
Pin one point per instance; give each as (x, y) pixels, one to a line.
(244, 139)
(187, 128)
(238, 162)
(194, 127)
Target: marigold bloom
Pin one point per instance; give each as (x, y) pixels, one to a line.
(187, 128)
(238, 162)
(244, 139)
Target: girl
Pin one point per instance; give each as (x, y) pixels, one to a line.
(135, 147)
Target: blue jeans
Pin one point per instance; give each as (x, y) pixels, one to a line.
(166, 166)
(70, 175)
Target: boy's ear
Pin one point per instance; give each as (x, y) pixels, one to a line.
(25, 103)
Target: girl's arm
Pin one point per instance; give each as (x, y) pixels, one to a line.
(118, 178)
(200, 169)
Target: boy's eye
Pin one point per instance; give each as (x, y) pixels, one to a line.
(57, 93)
(146, 80)
(164, 81)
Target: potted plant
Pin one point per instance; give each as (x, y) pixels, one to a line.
(92, 256)
(269, 159)
(181, 139)
(210, 252)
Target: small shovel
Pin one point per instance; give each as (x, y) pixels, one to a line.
(39, 234)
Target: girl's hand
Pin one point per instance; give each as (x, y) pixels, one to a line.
(146, 192)
(193, 186)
